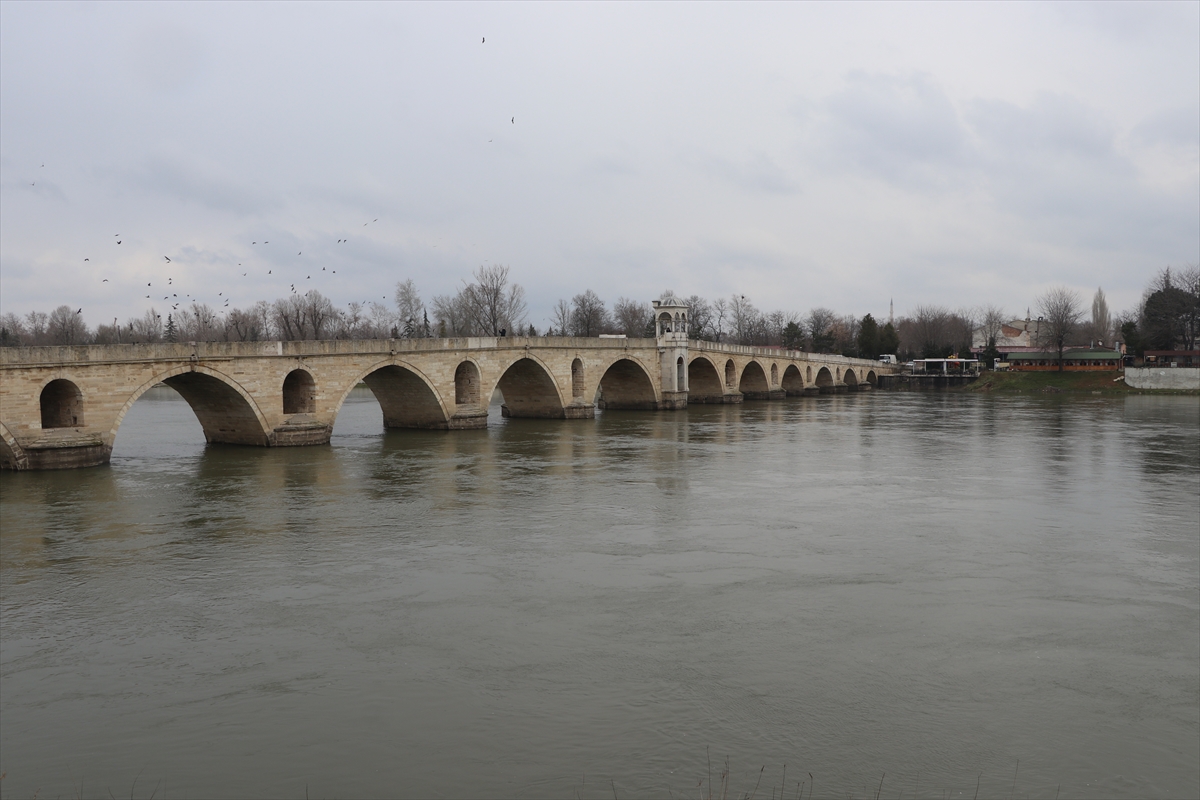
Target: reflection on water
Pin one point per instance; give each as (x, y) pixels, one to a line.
(932, 586)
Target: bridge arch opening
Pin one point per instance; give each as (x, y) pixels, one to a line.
(824, 380)
(793, 381)
(872, 378)
(753, 385)
(62, 404)
(406, 399)
(626, 385)
(299, 393)
(529, 391)
(730, 374)
(704, 384)
(466, 384)
(774, 374)
(225, 415)
(850, 379)
(577, 380)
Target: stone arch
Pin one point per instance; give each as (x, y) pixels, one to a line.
(704, 384)
(824, 380)
(226, 411)
(530, 391)
(664, 323)
(466, 384)
(774, 374)
(850, 379)
(405, 395)
(62, 404)
(753, 384)
(809, 370)
(730, 374)
(299, 392)
(872, 378)
(680, 375)
(626, 384)
(578, 380)
(793, 381)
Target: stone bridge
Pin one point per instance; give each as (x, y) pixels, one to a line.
(62, 407)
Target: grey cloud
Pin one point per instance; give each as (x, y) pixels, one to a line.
(192, 184)
(1177, 127)
(905, 130)
(758, 173)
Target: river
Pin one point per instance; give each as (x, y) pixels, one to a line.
(930, 590)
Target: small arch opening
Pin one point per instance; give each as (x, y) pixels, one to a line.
(664, 323)
(809, 378)
(704, 384)
(466, 384)
(62, 405)
(680, 375)
(774, 374)
(753, 385)
(793, 382)
(299, 393)
(577, 379)
(730, 373)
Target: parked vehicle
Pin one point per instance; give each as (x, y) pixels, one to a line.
(889, 359)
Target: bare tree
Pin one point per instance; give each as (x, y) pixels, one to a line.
(631, 317)
(198, 324)
(991, 325)
(36, 325)
(65, 326)
(720, 314)
(493, 303)
(146, 328)
(820, 329)
(742, 318)
(702, 319)
(1060, 312)
(561, 318)
(1100, 328)
(451, 316)
(383, 321)
(589, 317)
(11, 330)
(409, 309)
(288, 319)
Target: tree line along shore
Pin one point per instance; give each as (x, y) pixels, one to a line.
(491, 304)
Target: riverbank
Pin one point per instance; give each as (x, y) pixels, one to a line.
(1104, 383)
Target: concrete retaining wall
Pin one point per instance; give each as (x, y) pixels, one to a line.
(1163, 377)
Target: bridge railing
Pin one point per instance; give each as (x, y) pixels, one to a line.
(775, 352)
(177, 351)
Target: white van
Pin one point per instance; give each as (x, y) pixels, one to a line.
(889, 359)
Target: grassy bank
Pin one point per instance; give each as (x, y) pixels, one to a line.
(1057, 382)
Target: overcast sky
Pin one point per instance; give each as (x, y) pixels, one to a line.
(803, 155)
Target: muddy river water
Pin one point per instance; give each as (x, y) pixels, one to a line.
(935, 591)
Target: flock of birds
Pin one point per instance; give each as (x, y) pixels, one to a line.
(176, 301)
(224, 301)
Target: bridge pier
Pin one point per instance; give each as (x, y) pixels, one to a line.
(301, 430)
(468, 420)
(59, 448)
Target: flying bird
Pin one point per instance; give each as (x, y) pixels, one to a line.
(118, 241)
(514, 120)
(87, 259)
(168, 260)
(298, 253)
(80, 311)
(104, 281)
(481, 42)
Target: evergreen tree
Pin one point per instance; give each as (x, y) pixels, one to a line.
(425, 330)
(172, 333)
(889, 340)
(793, 336)
(868, 338)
